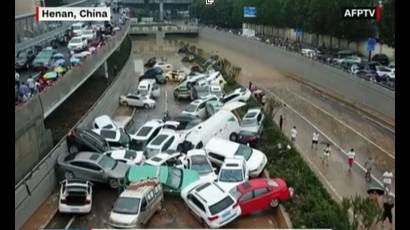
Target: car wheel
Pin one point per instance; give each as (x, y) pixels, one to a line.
(125, 103)
(69, 175)
(73, 149)
(274, 203)
(233, 137)
(114, 183)
(146, 106)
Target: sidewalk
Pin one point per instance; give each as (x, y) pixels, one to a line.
(336, 178)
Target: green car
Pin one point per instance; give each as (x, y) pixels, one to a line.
(172, 179)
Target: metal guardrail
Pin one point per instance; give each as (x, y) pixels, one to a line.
(143, 29)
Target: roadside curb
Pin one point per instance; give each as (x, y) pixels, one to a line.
(283, 217)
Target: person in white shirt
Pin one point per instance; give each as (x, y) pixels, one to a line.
(293, 134)
(326, 155)
(31, 85)
(350, 158)
(315, 140)
(387, 180)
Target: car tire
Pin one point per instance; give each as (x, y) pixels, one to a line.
(68, 175)
(125, 103)
(146, 106)
(233, 137)
(113, 183)
(73, 149)
(274, 203)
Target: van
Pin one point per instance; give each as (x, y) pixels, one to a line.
(78, 28)
(137, 204)
(223, 124)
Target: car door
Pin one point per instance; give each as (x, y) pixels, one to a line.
(143, 211)
(246, 203)
(196, 206)
(86, 170)
(262, 198)
(134, 100)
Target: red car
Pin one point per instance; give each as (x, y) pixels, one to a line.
(258, 194)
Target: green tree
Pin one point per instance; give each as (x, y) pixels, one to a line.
(386, 25)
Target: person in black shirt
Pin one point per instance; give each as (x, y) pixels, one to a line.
(387, 207)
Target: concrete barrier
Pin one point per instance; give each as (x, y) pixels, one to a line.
(367, 95)
(37, 186)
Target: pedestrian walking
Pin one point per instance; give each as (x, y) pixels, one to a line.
(24, 91)
(250, 86)
(350, 158)
(280, 122)
(293, 134)
(17, 79)
(31, 85)
(387, 180)
(326, 155)
(315, 140)
(387, 213)
(368, 166)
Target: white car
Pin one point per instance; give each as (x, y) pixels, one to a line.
(89, 34)
(104, 122)
(211, 204)
(163, 66)
(137, 101)
(145, 134)
(117, 139)
(219, 149)
(75, 196)
(165, 140)
(239, 94)
(216, 78)
(127, 156)
(148, 88)
(198, 161)
(232, 172)
(384, 71)
(171, 158)
(196, 108)
(77, 43)
(252, 121)
(216, 90)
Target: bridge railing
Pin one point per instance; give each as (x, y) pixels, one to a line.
(141, 29)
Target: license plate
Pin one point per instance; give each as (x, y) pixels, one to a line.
(226, 214)
(75, 209)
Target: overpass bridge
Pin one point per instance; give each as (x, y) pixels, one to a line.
(163, 28)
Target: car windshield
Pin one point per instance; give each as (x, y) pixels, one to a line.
(201, 165)
(137, 145)
(221, 205)
(174, 179)
(107, 163)
(249, 122)
(191, 108)
(244, 151)
(230, 175)
(76, 40)
(127, 205)
(124, 138)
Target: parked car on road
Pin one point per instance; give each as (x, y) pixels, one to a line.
(170, 158)
(196, 108)
(145, 134)
(381, 58)
(80, 139)
(104, 122)
(44, 59)
(239, 94)
(93, 167)
(232, 172)
(137, 204)
(182, 91)
(197, 160)
(117, 139)
(219, 150)
(24, 59)
(200, 90)
(154, 73)
(75, 196)
(128, 156)
(173, 179)
(210, 204)
(137, 101)
(261, 193)
(148, 88)
(252, 121)
(77, 43)
(175, 75)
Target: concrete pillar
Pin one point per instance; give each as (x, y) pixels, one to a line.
(106, 69)
(161, 11)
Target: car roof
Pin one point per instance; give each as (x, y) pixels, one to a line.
(104, 120)
(160, 139)
(228, 148)
(140, 188)
(106, 133)
(210, 192)
(252, 184)
(88, 156)
(121, 153)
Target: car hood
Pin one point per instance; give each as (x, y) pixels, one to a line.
(256, 161)
(125, 219)
(227, 186)
(120, 171)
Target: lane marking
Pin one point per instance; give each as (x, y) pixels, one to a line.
(348, 126)
(70, 222)
(333, 142)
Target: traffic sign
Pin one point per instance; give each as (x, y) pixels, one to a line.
(371, 44)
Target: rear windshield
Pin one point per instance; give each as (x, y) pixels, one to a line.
(108, 134)
(127, 205)
(244, 151)
(221, 205)
(231, 175)
(144, 131)
(201, 165)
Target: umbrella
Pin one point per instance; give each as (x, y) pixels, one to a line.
(58, 56)
(59, 62)
(74, 61)
(373, 187)
(50, 75)
(59, 69)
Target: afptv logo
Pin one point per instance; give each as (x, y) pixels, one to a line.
(362, 13)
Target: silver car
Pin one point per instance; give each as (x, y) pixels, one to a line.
(253, 121)
(93, 167)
